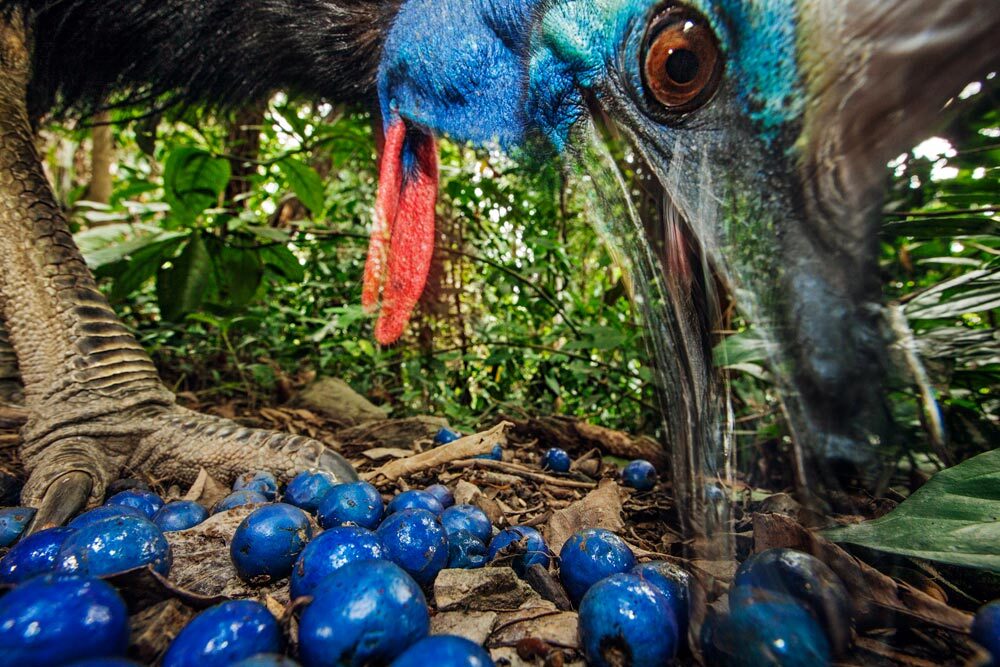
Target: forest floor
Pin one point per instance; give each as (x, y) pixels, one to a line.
(904, 613)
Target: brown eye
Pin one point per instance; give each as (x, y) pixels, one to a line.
(683, 64)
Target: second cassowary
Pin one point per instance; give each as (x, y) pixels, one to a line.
(768, 123)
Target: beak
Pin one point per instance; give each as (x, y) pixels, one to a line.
(790, 218)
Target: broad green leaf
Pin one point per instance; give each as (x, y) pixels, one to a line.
(305, 183)
(142, 265)
(238, 272)
(954, 518)
(746, 347)
(193, 180)
(182, 287)
(284, 262)
(108, 244)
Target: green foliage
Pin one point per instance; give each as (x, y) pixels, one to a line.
(240, 268)
(954, 518)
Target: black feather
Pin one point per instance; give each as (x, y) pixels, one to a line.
(224, 52)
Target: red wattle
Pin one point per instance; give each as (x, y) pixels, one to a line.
(402, 240)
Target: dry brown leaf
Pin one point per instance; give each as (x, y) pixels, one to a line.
(207, 490)
(601, 508)
(379, 453)
(475, 626)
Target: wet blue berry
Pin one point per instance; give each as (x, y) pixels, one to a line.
(640, 475)
(366, 612)
(446, 435)
(34, 555)
(267, 660)
(415, 540)
(496, 454)
(465, 551)
(556, 460)
(625, 621)
(442, 493)
(805, 578)
(179, 515)
(115, 545)
(330, 551)
(590, 555)
(57, 619)
(146, 502)
(444, 651)
(414, 500)
(268, 542)
(781, 634)
(358, 502)
(13, 521)
(224, 634)
(467, 517)
(263, 483)
(986, 629)
(675, 585)
(307, 488)
(104, 512)
(239, 499)
(519, 547)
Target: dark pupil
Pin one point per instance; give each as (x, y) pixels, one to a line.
(682, 66)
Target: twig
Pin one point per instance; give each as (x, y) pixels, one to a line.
(523, 471)
(463, 448)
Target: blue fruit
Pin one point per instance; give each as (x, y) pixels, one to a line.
(13, 521)
(364, 613)
(519, 547)
(590, 555)
(442, 493)
(469, 518)
(268, 542)
(640, 475)
(238, 499)
(446, 435)
(465, 550)
(415, 540)
(267, 660)
(34, 555)
(329, 552)
(805, 578)
(54, 620)
(103, 512)
(625, 621)
(263, 483)
(496, 454)
(146, 502)
(675, 585)
(444, 651)
(115, 545)
(414, 500)
(556, 460)
(781, 634)
(358, 502)
(986, 629)
(307, 488)
(179, 515)
(224, 634)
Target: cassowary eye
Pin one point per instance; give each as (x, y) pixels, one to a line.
(683, 64)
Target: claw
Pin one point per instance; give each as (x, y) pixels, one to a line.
(64, 498)
(336, 464)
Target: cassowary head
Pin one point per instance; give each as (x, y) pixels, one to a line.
(768, 122)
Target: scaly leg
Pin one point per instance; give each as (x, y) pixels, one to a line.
(96, 404)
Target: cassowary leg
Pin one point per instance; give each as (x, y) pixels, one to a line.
(95, 403)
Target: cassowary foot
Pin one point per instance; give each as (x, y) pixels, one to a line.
(73, 466)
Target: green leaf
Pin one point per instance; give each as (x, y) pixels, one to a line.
(954, 518)
(284, 262)
(181, 288)
(142, 265)
(193, 180)
(305, 183)
(238, 275)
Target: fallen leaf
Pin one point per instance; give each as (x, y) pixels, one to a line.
(601, 508)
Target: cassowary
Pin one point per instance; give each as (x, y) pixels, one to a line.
(768, 122)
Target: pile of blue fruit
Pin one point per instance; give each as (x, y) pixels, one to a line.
(360, 571)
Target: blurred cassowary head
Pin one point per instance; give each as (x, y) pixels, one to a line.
(768, 123)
